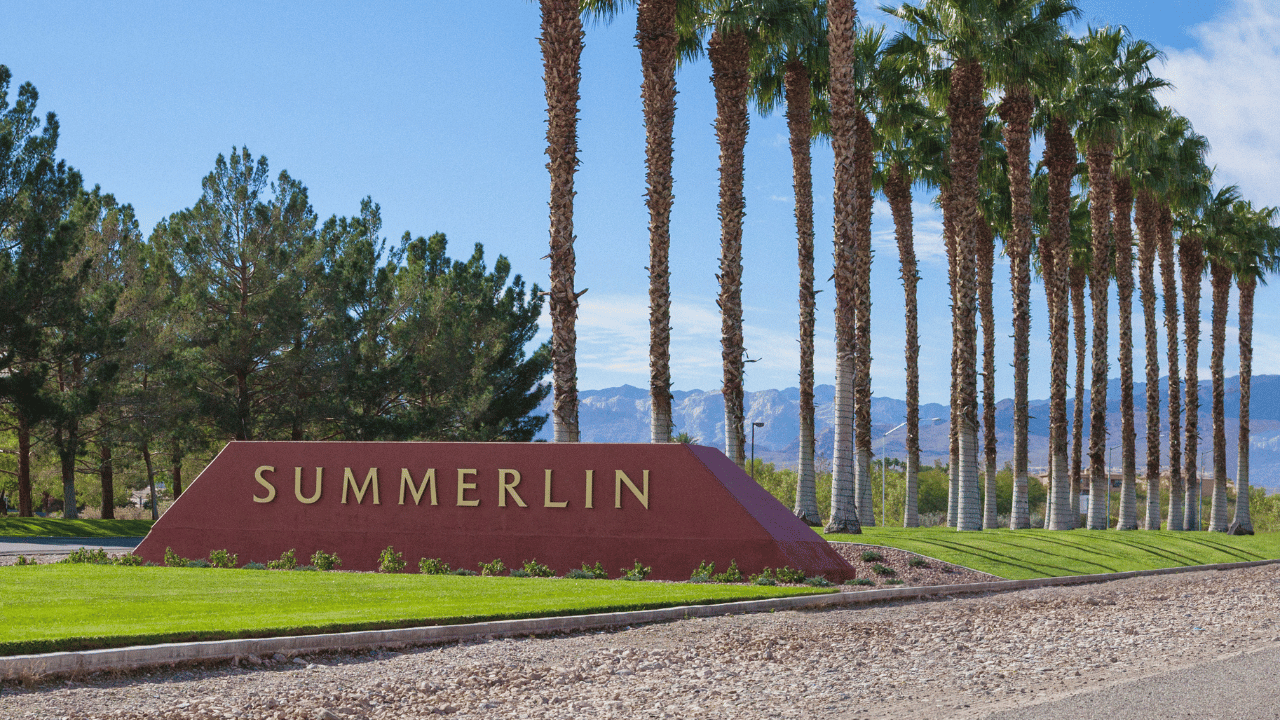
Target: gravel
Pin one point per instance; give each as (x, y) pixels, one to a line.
(953, 658)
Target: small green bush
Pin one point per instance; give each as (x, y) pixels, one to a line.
(24, 560)
(818, 581)
(519, 572)
(586, 572)
(254, 566)
(390, 561)
(97, 556)
(703, 573)
(173, 559)
(871, 556)
(433, 566)
(492, 568)
(918, 562)
(893, 581)
(764, 577)
(731, 574)
(325, 561)
(288, 561)
(636, 573)
(533, 568)
(306, 568)
(883, 571)
(223, 559)
(201, 563)
(789, 575)
(128, 560)
(464, 571)
(861, 581)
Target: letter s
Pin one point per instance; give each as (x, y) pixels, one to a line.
(271, 490)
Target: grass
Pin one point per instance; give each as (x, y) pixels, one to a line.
(58, 527)
(1023, 554)
(50, 608)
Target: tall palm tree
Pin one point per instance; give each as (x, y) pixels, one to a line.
(1257, 253)
(561, 43)
(995, 219)
(1219, 227)
(1113, 85)
(1122, 191)
(790, 66)
(1081, 259)
(841, 38)
(1191, 265)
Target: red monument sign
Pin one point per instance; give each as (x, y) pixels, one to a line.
(669, 506)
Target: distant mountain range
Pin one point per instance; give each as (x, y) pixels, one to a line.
(621, 414)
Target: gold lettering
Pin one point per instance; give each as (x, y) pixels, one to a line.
(428, 479)
(619, 478)
(349, 480)
(464, 486)
(505, 487)
(297, 486)
(271, 489)
(591, 486)
(547, 502)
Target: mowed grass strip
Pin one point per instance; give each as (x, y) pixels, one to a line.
(1024, 554)
(58, 527)
(49, 608)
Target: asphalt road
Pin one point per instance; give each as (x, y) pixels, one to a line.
(63, 545)
(1239, 687)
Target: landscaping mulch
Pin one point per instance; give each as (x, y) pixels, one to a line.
(933, 572)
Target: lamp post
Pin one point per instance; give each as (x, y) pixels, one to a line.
(754, 425)
(884, 440)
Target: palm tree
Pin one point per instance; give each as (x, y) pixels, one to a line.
(996, 211)
(1081, 261)
(1122, 191)
(1113, 85)
(790, 65)
(841, 38)
(561, 42)
(1257, 253)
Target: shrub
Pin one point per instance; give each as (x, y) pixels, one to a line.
(703, 573)
(24, 560)
(201, 563)
(883, 571)
(306, 568)
(390, 561)
(433, 566)
(789, 575)
(97, 556)
(287, 561)
(519, 572)
(861, 581)
(223, 559)
(492, 568)
(731, 575)
(325, 561)
(464, 571)
(764, 577)
(254, 566)
(893, 581)
(586, 572)
(128, 560)
(871, 556)
(819, 581)
(636, 573)
(173, 559)
(918, 562)
(533, 568)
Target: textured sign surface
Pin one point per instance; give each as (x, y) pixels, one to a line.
(670, 507)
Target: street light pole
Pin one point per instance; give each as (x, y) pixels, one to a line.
(884, 459)
(754, 425)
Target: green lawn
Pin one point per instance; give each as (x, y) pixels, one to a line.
(49, 608)
(1022, 554)
(57, 527)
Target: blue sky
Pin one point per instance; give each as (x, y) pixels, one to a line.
(436, 110)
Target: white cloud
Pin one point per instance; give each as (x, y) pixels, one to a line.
(1229, 87)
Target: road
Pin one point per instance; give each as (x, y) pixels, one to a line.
(63, 545)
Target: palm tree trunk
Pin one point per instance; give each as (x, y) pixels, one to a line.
(1191, 261)
(1246, 288)
(985, 260)
(1221, 278)
(967, 113)
(800, 125)
(1147, 241)
(656, 37)
(1060, 158)
(1079, 278)
(946, 198)
(864, 168)
(1100, 208)
(1015, 111)
(561, 43)
(897, 189)
(729, 75)
(1127, 518)
(1164, 225)
(840, 34)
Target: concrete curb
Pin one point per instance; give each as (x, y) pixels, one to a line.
(88, 661)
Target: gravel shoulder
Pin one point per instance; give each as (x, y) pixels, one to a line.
(949, 658)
